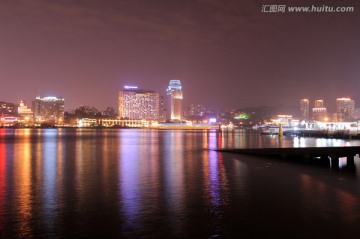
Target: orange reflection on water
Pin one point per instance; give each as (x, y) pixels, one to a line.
(78, 169)
(22, 172)
(175, 169)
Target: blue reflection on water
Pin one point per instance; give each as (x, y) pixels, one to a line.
(129, 178)
(49, 160)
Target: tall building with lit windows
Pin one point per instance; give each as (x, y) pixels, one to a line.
(304, 109)
(25, 113)
(345, 109)
(48, 110)
(318, 104)
(319, 112)
(135, 103)
(174, 91)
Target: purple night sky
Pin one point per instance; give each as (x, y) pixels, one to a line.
(227, 53)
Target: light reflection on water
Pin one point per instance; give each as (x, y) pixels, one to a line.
(129, 183)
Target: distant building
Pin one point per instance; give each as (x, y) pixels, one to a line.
(319, 114)
(162, 109)
(284, 120)
(345, 109)
(25, 113)
(48, 110)
(304, 109)
(135, 103)
(319, 104)
(109, 111)
(174, 90)
(8, 109)
(196, 110)
(86, 111)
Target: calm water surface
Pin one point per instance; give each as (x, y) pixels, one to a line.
(132, 183)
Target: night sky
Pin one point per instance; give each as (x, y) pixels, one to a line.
(227, 53)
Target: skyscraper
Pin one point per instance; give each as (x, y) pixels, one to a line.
(304, 109)
(174, 90)
(135, 103)
(319, 112)
(24, 112)
(345, 109)
(48, 109)
(319, 104)
(162, 108)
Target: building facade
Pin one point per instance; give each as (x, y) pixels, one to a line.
(304, 109)
(174, 91)
(25, 113)
(162, 109)
(134, 103)
(48, 110)
(8, 109)
(319, 114)
(319, 104)
(345, 109)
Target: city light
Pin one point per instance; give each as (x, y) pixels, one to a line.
(130, 87)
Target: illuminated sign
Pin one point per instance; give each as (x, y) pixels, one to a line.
(212, 120)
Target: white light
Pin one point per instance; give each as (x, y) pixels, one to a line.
(130, 87)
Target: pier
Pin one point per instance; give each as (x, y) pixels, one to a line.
(333, 153)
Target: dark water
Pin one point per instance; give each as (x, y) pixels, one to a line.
(80, 183)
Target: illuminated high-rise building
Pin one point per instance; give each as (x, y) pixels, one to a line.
(304, 109)
(135, 103)
(174, 90)
(24, 112)
(48, 110)
(319, 104)
(345, 109)
(7, 109)
(162, 109)
(319, 112)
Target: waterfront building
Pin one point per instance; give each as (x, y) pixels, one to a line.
(134, 103)
(319, 114)
(110, 122)
(304, 109)
(8, 109)
(175, 93)
(25, 113)
(285, 120)
(48, 110)
(345, 109)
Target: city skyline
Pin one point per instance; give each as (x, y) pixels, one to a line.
(226, 54)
